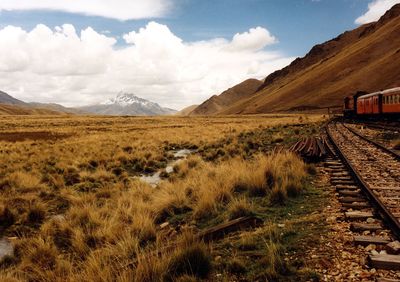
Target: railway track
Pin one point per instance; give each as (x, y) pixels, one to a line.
(384, 126)
(366, 176)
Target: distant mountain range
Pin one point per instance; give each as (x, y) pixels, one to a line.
(123, 104)
(10, 105)
(128, 104)
(9, 100)
(364, 59)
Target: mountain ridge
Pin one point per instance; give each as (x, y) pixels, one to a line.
(366, 59)
(9, 100)
(127, 104)
(217, 102)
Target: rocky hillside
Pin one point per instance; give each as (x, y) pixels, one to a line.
(366, 58)
(218, 103)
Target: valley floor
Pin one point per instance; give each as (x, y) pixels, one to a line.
(74, 206)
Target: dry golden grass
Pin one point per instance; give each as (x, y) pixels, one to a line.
(80, 213)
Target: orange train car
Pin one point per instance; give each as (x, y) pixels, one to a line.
(382, 103)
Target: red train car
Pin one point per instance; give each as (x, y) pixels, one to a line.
(384, 103)
(369, 104)
(391, 101)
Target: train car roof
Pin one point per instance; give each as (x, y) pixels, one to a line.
(387, 91)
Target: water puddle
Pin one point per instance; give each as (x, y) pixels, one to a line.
(155, 178)
(182, 153)
(6, 248)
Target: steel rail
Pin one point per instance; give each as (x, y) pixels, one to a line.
(391, 221)
(375, 125)
(380, 146)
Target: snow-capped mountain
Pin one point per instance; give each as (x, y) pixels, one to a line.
(126, 104)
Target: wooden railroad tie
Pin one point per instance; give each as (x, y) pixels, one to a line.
(356, 205)
(351, 193)
(367, 240)
(384, 261)
(358, 215)
(351, 200)
(219, 231)
(365, 227)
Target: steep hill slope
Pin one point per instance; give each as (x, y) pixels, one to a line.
(187, 111)
(217, 103)
(8, 109)
(367, 58)
(7, 99)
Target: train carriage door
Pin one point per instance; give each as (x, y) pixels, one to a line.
(375, 104)
(360, 106)
(380, 102)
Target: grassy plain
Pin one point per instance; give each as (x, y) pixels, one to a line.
(71, 199)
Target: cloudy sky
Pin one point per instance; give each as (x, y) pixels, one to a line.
(174, 52)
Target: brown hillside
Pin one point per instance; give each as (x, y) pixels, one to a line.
(227, 98)
(6, 109)
(186, 111)
(367, 58)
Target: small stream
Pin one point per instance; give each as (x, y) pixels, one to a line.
(6, 248)
(155, 178)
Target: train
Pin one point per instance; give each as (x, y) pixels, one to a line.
(385, 103)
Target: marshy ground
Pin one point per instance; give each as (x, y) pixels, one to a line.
(74, 203)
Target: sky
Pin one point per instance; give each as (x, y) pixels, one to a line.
(173, 52)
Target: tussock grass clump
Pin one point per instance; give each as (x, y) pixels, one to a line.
(24, 181)
(191, 258)
(36, 213)
(278, 175)
(273, 260)
(150, 268)
(236, 266)
(247, 242)
(60, 232)
(239, 208)
(38, 253)
(71, 176)
(7, 216)
(144, 228)
(169, 201)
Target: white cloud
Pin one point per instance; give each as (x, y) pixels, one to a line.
(116, 9)
(64, 66)
(253, 40)
(376, 9)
